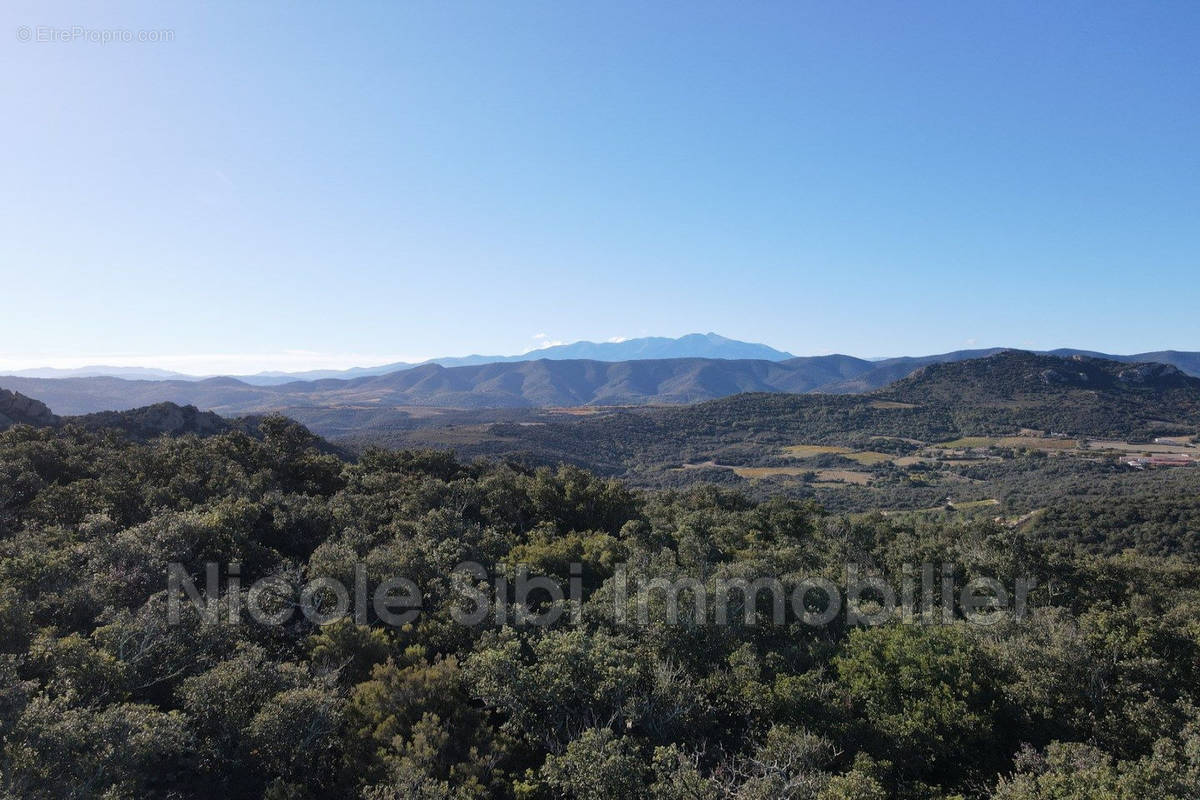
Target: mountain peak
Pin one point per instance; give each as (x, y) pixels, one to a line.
(692, 345)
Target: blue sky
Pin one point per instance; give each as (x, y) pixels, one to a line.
(293, 185)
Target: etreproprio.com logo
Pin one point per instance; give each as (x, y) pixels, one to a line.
(52, 34)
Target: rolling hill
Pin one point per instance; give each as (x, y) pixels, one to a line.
(999, 395)
(515, 384)
(1016, 375)
(522, 384)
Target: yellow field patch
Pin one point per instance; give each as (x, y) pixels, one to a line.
(844, 475)
(829, 476)
(967, 441)
(975, 504)
(1037, 443)
(864, 457)
(868, 457)
(1060, 444)
(421, 412)
(767, 472)
(1031, 442)
(891, 404)
(1125, 447)
(908, 461)
(810, 450)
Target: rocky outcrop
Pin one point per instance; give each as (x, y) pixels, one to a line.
(157, 420)
(17, 409)
(1056, 377)
(1152, 375)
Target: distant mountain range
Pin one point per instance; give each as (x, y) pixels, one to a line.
(132, 373)
(693, 345)
(521, 384)
(517, 384)
(831, 373)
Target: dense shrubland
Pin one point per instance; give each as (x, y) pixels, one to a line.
(1094, 695)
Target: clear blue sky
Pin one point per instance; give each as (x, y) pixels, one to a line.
(314, 184)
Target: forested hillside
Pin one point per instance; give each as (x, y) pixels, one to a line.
(1093, 693)
(998, 396)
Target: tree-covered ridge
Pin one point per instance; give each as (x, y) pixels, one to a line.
(1094, 694)
(1012, 374)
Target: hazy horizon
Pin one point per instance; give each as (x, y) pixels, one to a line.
(215, 364)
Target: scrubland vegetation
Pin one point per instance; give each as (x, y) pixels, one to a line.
(1093, 694)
